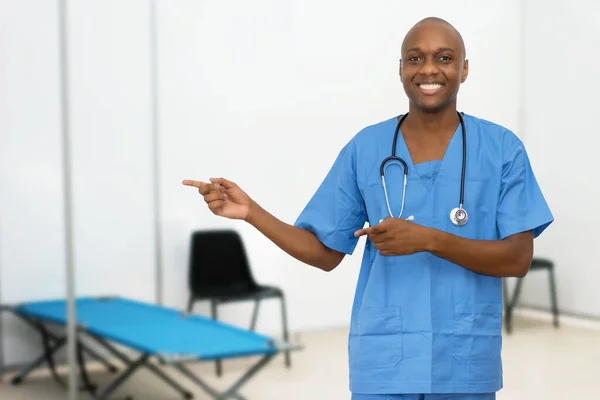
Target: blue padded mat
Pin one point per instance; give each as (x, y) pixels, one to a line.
(154, 329)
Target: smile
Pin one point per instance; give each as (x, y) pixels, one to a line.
(430, 88)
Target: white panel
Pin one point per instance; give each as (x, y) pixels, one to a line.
(32, 264)
(267, 92)
(112, 157)
(562, 137)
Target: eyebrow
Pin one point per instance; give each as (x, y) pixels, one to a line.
(438, 50)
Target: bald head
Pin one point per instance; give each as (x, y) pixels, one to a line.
(432, 25)
(433, 65)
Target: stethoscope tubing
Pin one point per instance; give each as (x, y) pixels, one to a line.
(405, 165)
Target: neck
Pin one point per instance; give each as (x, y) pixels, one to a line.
(432, 123)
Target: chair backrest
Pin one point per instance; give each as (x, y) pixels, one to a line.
(218, 264)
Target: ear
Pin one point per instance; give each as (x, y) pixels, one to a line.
(400, 71)
(465, 71)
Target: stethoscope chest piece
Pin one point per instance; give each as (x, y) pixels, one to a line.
(459, 216)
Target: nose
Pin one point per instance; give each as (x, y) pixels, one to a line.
(429, 67)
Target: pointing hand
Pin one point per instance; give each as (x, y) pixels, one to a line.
(396, 236)
(224, 198)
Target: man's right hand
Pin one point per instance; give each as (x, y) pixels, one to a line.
(224, 198)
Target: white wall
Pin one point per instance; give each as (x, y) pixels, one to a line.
(561, 86)
(267, 92)
(247, 90)
(112, 147)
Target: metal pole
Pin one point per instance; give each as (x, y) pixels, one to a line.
(156, 154)
(70, 268)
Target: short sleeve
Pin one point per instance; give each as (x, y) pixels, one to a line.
(522, 206)
(336, 210)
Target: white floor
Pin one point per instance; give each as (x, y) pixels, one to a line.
(540, 362)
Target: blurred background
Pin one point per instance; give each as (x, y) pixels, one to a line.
(266, 93)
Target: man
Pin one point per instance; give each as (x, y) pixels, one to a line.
(427, 315)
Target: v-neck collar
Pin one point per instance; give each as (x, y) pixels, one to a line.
(451, 148)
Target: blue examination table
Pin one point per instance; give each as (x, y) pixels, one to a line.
(170, 336)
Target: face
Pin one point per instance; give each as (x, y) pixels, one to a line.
(432, 67)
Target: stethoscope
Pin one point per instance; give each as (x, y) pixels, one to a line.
(458, 215)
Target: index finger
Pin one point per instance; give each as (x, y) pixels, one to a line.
(196, 184)
(367, 231)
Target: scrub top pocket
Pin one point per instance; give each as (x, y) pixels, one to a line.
(477, 333)
(378, 339)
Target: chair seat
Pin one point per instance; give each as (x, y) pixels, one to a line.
(541, 263)
(227, 294)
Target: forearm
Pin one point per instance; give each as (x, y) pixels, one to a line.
(297, 242)
(501, 258)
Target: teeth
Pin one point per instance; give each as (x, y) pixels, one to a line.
(430, 86)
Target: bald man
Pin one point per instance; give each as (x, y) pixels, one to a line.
(453, 206)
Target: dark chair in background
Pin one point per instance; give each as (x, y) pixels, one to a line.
(510, 302)
(219, 272)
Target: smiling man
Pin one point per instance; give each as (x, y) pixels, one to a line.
(457, 209)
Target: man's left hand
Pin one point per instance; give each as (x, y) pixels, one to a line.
(396, 236)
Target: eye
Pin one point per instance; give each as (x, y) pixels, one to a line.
(414, 59)
(445, 59)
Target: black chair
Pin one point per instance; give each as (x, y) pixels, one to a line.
(220, 273)
(510, 302)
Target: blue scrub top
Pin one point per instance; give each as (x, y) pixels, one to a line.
(421, 324)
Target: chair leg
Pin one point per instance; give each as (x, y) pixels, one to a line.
(214, 314)
(513, 302)
(507, 309)
(190, 304)
(286, 334)
(254, 314)
(553, 296)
